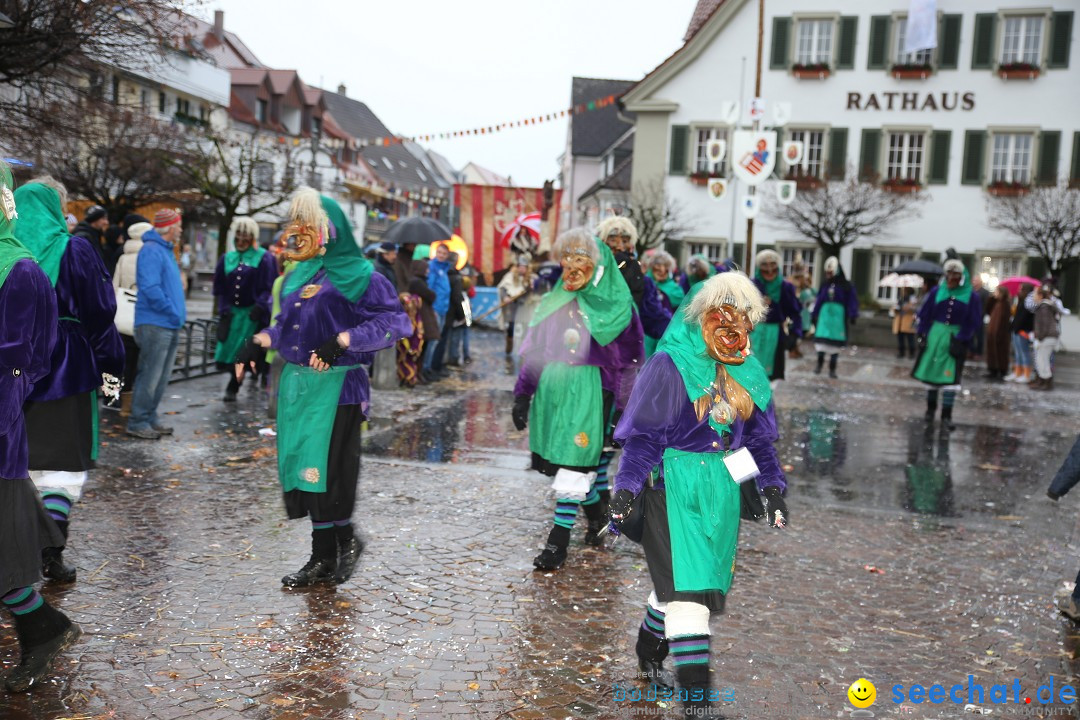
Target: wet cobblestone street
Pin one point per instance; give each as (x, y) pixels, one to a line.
(914, 557)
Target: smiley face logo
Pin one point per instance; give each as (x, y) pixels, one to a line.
(862, 693)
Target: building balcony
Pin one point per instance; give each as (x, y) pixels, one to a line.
(816, 71)
(1018, 71)
(912, 72)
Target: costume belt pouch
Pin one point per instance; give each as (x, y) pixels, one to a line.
(572, 485)
(307, 405)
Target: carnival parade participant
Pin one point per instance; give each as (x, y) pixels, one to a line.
(28, 330)
(514, 286)
(770, 339)
(837, 306)
(243, 281)
(583, 338)
(410, 347)
(668, 291)
(702, 411)
(335, 314)
(947, 321)
(61, 411)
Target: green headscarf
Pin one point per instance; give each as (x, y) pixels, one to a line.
(772, 287)
(41, 226)
(11, 250)
(962, 292)
(708, 265)
(685, 345)
(672, 289)
(250, 257)
(606, 306)
(345, 264)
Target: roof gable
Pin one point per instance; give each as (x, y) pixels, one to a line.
(593, 132)
(355, 117)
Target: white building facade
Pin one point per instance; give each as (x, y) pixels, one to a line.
(994, 107)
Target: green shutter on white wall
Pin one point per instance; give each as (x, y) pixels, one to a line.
(837, 167)
(869, 155)
(845, 55)
(1061, 24)
(974, 156)
(781, 43)
(982, 48)
(878, 55)
(1046, 172)
(680, 138)
(949, 42)
(940, 142)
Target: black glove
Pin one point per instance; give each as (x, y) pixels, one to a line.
(619, 507)
(520, 413)
(260, 317)
(777, 509)
(958, 348)
(791, 342)
(223, 326)
(920, 340)
(330, 351)
(248, 359)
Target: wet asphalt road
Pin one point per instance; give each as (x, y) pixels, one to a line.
(914, 557)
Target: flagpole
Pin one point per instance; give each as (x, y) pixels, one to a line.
(748, 259)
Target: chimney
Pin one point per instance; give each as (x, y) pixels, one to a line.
(341, 89)
(219, 25)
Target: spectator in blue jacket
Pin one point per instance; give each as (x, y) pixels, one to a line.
(438, 280)
(1067, 476)
(159, 315)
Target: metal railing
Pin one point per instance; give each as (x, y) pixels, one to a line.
(195, 353)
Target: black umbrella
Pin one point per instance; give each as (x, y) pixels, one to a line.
(417, 231)
(918, 267)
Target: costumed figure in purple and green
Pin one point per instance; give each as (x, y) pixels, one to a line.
(62, 409)
(782, 327)
(836, 309)
(28, 330)
(699, 421)
(579, 359)
(243, 282)
(335, 314)
(946, 323)
(668, 291)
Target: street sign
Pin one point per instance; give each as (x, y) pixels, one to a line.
(753, 155)
(785, 191)
(715, 151)
(757, 109)
(793, 151)
(750, 205)
(717, 188)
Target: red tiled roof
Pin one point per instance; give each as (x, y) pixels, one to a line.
(281, 79)
(247, 76)
(703, 11)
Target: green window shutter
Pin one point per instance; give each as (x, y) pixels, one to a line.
(781, 43)
(940, 142)
(1036, 267)
(680, 138)
(845, 57)
(837, 167)
(969, 261)
(869, 154)
(878, 56)
(930, 257)
(949, 42)
(1049, 152)
(1070, 286)
(974, 156)
(862, 261)
(1060, 39)
(982, 49)
(1074, 173)
(737, 252)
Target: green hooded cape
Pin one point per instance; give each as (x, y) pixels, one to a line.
(345, 264)
(11, 250)
(962, 292)
(41, 226)
(605, 302)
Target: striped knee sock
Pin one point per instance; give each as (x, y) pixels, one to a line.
(602, 485)
(654, 622)
(22, 601)
(948, 398)
(690, 650)
(57, 504)
(322, 525)
(566, 513)
(592, 498)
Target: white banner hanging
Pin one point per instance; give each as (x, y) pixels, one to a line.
(785, 191)
(717, 188)
(715, 151)
(753, 155)
(750, 204)
(793, 151)
(921, 26)
(757, 109)
(781, 113)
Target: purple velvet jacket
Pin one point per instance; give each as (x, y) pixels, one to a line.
(789, 307)
(661, 416)
(618, 360)
(655, 315)
(374, 322)
(27, 337)
(87, 342)
(245, 286)
(950, 312)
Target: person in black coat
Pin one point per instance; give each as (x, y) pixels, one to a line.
(454, 315)
(384, 263)
(1067, 476)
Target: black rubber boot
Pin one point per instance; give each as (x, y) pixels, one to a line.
(694, 680)
(832, 365)
(651, 652)
(231, 388)
(553, 555)
(322, 564)
(43, 634)
(820, 363)
(596, 514)
(52, 559)
(946, 419)
(350, 547)
(931, 405)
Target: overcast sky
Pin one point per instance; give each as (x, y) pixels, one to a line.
(427, 66)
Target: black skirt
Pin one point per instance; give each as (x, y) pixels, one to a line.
(342, 473)
(61, 433)
(656, 541)
(25, 529)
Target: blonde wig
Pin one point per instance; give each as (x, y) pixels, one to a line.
(662, 257)
(767, 256)
(576, 241)
(242, 224)
(730, 288)
(56, 185)
(620, 225)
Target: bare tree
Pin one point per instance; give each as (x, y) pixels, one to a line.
(657, 217)
(840, 213)
(235, 172)
(1045, 221)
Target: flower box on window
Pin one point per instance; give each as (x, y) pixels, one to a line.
(1018, 71)
(805, 183)
(1007, 189)
(912, 72)
(703, 178)
(901, 185)
(815, 71)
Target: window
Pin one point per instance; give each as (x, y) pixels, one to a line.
(421, 174)
(813, 151)
(115, 89)
(1021, 40)
(921, 57)
(161, 103)
(886, 262)
(805, 255)
(713, 251)
(389, 165)
(260, 110)
(814, 42)
(316, 126)
(905, 158)
(144, 99)
(263, 176)
(183, 107)
(1011, 158)
(701, 147)
(995, 268)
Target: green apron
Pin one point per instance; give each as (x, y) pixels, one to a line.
(566, 423)
(936, 366)
(307, 404)
(832, 322)
(703, 504)
(763, 340)
(650, 346)
(240, 332)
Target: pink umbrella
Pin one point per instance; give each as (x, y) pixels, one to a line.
(529, 222)
(1013, 284)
